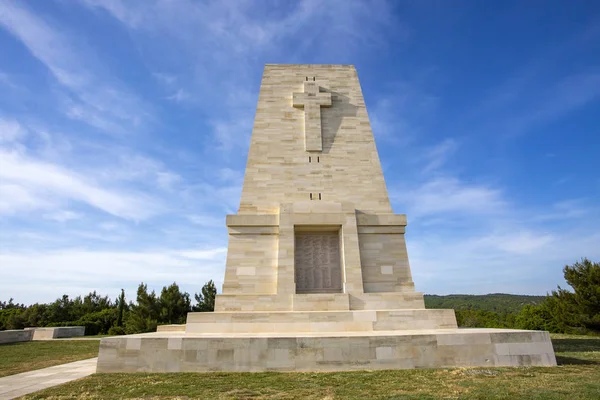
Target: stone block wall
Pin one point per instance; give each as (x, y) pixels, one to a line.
(251, 263)
(15, 335)
(57, 332)
(280, 170)
(417, 349)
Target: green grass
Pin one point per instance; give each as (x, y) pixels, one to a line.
(576, 377)
(28, 356)
(572, 349)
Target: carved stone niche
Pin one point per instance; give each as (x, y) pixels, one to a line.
(317, 260)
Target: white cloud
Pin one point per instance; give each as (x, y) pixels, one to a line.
(564, 210)
(227, 43)
(233, 134)
(122, 11)
(39, 182)
(10, 131)
(388, 124)
(212, 52)
(245, 25)
(110, 226)
(207, 220)
(438, 155)
(180, 96)
(555, 101)
(517, 242)
(449, 195)
(91, 96)
(527, 262)
(15, 198)
(166, 180)
(203, 254)
(62, 216)
(165, 79)
(230, 175)
(5, 80)
(44, 276)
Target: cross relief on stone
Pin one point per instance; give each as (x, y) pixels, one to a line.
(312, 101)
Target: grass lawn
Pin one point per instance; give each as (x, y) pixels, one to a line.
(27, 356)
(577, 377)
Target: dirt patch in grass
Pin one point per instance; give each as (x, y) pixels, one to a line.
(29, 356)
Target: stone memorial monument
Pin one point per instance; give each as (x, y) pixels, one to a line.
(317, 275)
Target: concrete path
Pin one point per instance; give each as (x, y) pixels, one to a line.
(28, 382)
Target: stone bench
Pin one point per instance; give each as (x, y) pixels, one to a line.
(57, 332)
(171, 328)
(15, 335)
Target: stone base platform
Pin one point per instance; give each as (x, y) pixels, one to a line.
(309, 351)
(319, 321)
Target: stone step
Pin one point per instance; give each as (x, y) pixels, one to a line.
(171, 328)
(409, 300)
(319, 321)
(179, 352)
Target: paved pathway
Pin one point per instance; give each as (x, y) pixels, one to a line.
(28, 382)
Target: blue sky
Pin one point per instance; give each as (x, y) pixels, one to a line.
(124, 129)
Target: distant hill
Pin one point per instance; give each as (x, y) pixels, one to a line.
(496, 302)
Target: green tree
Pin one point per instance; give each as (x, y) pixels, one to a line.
(12, 318)
(93, 302)
(143, 316)
(10, 304)
(61, 310)
(36, 315)
(121, 308)
(206, 298)
(97, 322)
(535, 318)
(174, 305)
(577, 310)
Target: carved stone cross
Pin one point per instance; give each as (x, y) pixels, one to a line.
(312, 101)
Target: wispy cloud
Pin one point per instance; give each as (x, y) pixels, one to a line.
(15, 198)
(180, 95)
(438, 155)
(449, 195)
(10, 131)
(62, 215)
(90, 96)
(510, 262)
(106, 271)
(564, 210)
(207, 220)
(6, 81)
(568, 94)
(228, 42)
(40, 183)
(165, 79)
(175, 84)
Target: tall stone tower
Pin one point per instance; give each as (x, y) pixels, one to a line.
(315, 229)
(317, 275)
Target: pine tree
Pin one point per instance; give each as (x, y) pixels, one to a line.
(121, 302)
(174, 305)
(206, 299)
(579, 309)
(144, 315)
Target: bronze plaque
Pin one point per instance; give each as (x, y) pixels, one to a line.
(317, 262)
